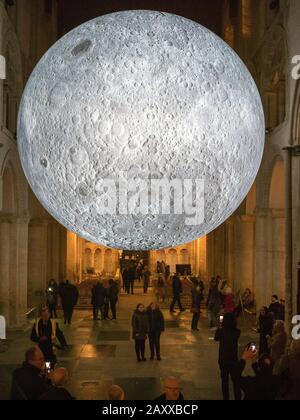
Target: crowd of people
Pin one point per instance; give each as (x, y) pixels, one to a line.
(275, 364)
(34, 381)
(105, 299)
(68, 294)
(135, 272)
(276, 368)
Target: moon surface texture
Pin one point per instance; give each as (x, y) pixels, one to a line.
(140, 96)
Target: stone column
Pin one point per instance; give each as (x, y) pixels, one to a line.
(262, 277)
(278, 253)
(192, 250)
(53, 251)
(21, 270)
(71, 256)
(288, 238)
(229, 260)
(5, 266)
(79, 258)
(243, 253)
(37, 260)
(201, 258)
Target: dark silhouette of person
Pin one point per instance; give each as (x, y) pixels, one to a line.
(228, 337)
(177, 290)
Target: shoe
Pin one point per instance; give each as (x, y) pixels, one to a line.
(144, 360)
(158, 358)
(152, 358)
(173, 312)
(139, 360)
(182, 310)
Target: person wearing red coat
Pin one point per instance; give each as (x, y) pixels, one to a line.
(229, 304)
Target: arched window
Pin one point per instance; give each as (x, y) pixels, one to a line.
(108, 262)
(88, 259)
(8, 192)
(184, 256)
(172, 259)
(98, 260)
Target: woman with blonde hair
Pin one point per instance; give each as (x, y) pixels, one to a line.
(277, 343)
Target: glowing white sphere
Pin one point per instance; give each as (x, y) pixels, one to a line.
(149, 94)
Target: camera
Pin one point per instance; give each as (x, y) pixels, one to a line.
(221, 319)
(252, 347)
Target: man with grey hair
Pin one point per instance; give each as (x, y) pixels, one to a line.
(172, 391)
(29, 382)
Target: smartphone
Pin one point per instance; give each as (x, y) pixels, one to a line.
(221, 319)
(253, 347)
(48, 367)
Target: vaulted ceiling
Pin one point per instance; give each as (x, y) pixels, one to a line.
(74, 12)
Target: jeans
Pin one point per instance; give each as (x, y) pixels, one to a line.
(154, 341)
(140, 349)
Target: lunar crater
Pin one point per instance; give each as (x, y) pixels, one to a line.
(147, 96)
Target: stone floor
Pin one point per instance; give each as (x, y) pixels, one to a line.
(101, 353)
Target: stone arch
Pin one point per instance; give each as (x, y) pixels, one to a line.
(272, 59)
(13, 84)
(276, 195)
(172, 259)
(184, 256)
(264, 178)
(108, 261)
(160, 255)
(9, 195)
(98, 260)
(88, 259)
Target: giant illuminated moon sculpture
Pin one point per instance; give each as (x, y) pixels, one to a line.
(140, 95)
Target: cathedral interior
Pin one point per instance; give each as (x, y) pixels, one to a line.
(257, 248)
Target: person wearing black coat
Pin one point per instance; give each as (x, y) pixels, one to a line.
(69, 297)
(228, 337)
(29, 382)
(156, 327)
(177, 290)
(113, 296)
(131, 277)
(126, 275)
(197, 297)
(264, 386)
(275, 308)
(265, 329)
(98, 294)
(140, 330)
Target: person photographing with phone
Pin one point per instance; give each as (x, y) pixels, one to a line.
(264, 386)
(228, 336)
